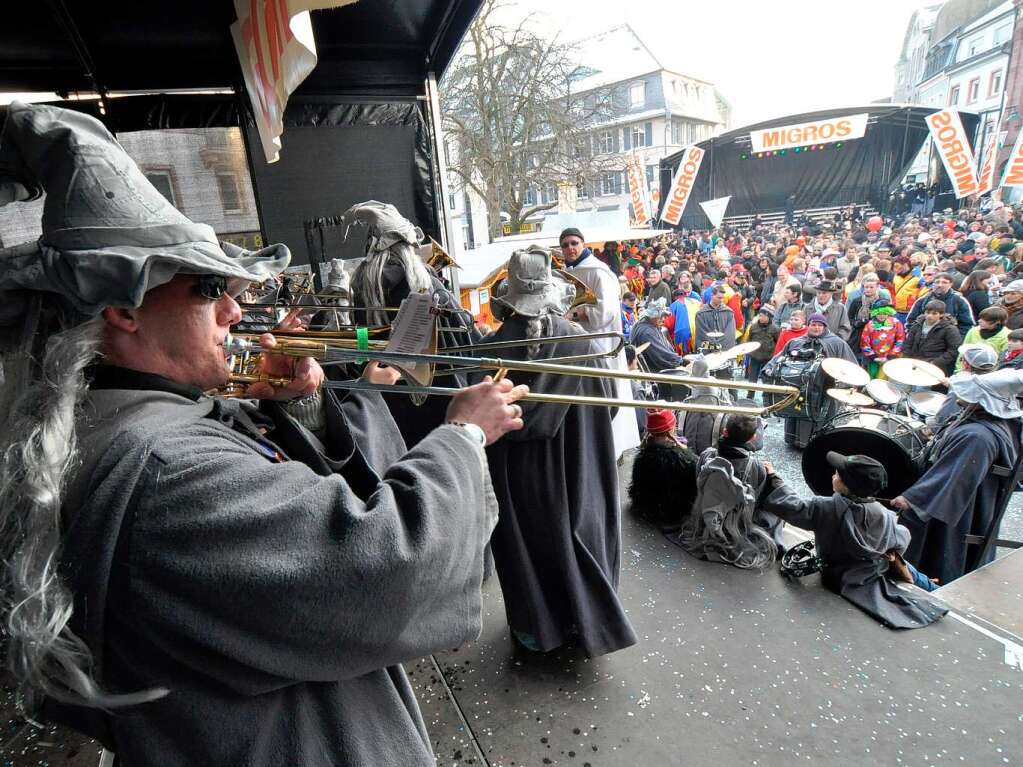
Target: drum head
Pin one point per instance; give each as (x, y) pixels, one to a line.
(926, 403)
(883, 392)
(866, 436)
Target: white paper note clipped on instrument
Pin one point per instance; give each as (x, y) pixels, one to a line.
(415, 332)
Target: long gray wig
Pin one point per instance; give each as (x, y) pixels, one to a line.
(43, 386)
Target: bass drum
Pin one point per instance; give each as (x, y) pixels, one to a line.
(896, 441)
(799, 373)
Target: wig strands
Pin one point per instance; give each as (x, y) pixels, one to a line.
(368, 282)
(38, 406)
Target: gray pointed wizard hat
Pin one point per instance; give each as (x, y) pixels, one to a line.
(108, 235)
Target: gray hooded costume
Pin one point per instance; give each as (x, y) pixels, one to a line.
(270, 579)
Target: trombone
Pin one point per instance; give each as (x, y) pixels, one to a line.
(239, 345)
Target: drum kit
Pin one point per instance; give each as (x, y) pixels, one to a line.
(877, 419)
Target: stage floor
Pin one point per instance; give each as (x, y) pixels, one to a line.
(732, 668)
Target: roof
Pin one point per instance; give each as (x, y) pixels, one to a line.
(380, 48)
(616, 55)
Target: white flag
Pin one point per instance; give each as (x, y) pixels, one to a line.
(715, 210)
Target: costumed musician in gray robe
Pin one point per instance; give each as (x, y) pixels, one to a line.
(648, 330)
(198, 581)
(858, 541)
(959, 492)
(557, 545)
(391, 270)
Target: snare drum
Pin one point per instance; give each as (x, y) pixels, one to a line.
(896, 441)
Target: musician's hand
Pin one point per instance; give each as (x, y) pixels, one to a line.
(901, 503)
(491, 406)
(304, 373)
(292, 322)
(769, 467)
(376, 374)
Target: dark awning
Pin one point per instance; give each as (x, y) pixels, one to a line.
(369, 47)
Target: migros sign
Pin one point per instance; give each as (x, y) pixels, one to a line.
(682, 185)
(954, 149)
(820, 132)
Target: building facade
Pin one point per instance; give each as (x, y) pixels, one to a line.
(656, 111)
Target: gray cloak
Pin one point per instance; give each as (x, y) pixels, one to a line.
(557, 544)
(852, 538)
(958, 493)
(274, 599)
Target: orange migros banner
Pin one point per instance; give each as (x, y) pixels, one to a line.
(953, 147)
(638, 192)
(682, 185)
(1013, 175)
(986, 176)
(819, 132)
(274, 42)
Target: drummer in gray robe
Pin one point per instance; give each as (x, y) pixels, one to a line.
(972, 457)
(200, 581)
(557, 545)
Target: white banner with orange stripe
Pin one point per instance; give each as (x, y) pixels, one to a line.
(986, 177)
(953, 147)
(682, 185)
(638, 194)
(1013, 175)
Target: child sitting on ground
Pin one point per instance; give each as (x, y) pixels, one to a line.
(726, 524)
(859, 542)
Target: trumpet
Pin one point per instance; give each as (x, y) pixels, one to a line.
(240, 345)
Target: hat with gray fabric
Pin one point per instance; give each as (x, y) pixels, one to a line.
(532, 288)
(996, 393)
(656, 308)
(108, 235)
(979, 356)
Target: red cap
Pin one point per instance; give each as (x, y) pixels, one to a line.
(660, 421)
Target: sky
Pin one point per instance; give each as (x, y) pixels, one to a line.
(768, 59)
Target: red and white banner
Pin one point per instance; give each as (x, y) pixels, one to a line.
(638, 193)
(986, 175)
(954, 150)
(274, 41)
(682, 185)
(1013, 175)
(820, 132)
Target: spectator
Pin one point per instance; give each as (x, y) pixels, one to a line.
(955, 305)
(882, 337)
(1012, 300)
(824, 303)
(934, 337)
(975, 290)
(1013, 357)
(796, 329)
(628, 313)
(766, 333)
(657, 288)
(905, 286)
(990, 331)
(791, 296)
(663, 485)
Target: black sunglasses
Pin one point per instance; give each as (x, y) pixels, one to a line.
(211, 286)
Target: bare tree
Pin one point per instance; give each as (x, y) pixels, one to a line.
(513, 124)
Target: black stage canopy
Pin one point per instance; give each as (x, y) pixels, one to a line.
(864, 170)
(358, 128)
(124, 45)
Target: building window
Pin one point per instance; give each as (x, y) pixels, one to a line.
(466, 238)
(606, 142)
(610, 183)
(582, 147)
(995, 83)
(973, 46)
(582, 191)
(230, 196)
(1002, 33)
(164, 183)
(550, 194)
(530, 196)
(637, 95)
(953, 96)
(973, 90)
(638, 135)
(452, 202)
(651, 174)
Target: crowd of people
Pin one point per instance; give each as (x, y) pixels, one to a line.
(882, 287)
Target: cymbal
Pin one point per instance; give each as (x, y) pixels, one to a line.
(743, 349)
(850, 397)
(883, 392)
(846, 372)
(718, 360)
(913, 372)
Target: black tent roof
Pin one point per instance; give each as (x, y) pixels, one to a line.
(877, 112)
(126, 45)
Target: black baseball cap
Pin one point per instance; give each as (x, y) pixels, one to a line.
(862, 474)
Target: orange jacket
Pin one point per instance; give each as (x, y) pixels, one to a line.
(905, 292)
